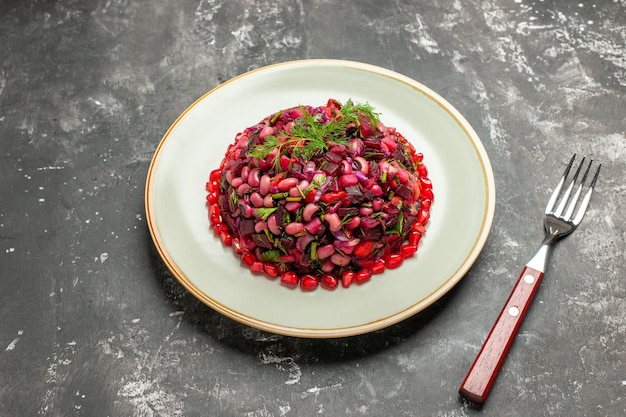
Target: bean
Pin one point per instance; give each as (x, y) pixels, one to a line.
(365, 211)
(229, 176)
(260, 226)
(294, 192)
(377, 204)
(246, 210)
(325, 251)
(265, 184)
(256, 199)
(272, 224)
(294, 228)
(236, 182)
(353, 223)
(348, 180)
(243, 188)
(268, 201)
(292, 206)
(364, 166)
(334, 222)
(287, 183)
(375, 188)
(339, 259)
(346, 168)
(254, 178)
(328, 266)
(308, 211)
(245, 171)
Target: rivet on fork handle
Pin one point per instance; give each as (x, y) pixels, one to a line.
(482, 374)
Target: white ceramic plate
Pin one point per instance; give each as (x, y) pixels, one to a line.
(195, 144)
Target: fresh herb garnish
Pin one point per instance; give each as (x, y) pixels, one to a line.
(264, 212)
(311, 135)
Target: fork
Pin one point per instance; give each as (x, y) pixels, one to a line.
(563, 214)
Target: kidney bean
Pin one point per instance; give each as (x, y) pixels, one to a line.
(366, 211)
(294, 228)
(334, 222)
(236, 182)
(309, 211)
(272, 224)
(265, 184)
(241, 190)
(256, 199)
(260, 226)
(292, 206)
(325, 251)
(287, 183)
(339, 259)
(254, 177)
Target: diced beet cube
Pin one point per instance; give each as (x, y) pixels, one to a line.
(262, 240)
(333, 157)
(404, 191)
(246, 227)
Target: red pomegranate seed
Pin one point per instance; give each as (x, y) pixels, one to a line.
(426, 204)
(218, 228)
(364, 248)
(214, 210)
(248, 259)
(227, 238)
(417, 227)
(212, 198)
(423, 216)
(362, 276)
(329, 281)
(427, 194)
(289, 279)
(407, 250)
(414, 237)
(214, 219)
(379, 266)
(215, 175)
(237, 246)
(426, 183)
(346, 278)
(213, 186)
(309, 282)
(422, 171)
(257, 266)
(270, 270)
(393, 261)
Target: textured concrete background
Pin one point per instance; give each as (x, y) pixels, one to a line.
(93, 324)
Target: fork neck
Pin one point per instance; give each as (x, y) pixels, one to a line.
(540, 259)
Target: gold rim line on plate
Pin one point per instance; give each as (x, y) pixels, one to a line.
(454, 278)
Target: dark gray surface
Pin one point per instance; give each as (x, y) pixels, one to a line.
(92, 323)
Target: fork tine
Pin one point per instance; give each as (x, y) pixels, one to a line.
(566, 194)
(574, 200)
(557, 190)
(583, 205)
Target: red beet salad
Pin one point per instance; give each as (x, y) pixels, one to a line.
(320, 196)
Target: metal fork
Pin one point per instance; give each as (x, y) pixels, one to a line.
(562, 215)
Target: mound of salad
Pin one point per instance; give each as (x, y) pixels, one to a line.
(320, 196)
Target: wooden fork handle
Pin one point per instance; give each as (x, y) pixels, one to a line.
(481, 376)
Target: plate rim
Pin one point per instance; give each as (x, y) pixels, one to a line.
(383, 322)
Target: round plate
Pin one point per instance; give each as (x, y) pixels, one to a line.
(195, 144)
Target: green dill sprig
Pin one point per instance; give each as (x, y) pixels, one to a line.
(311, 136)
